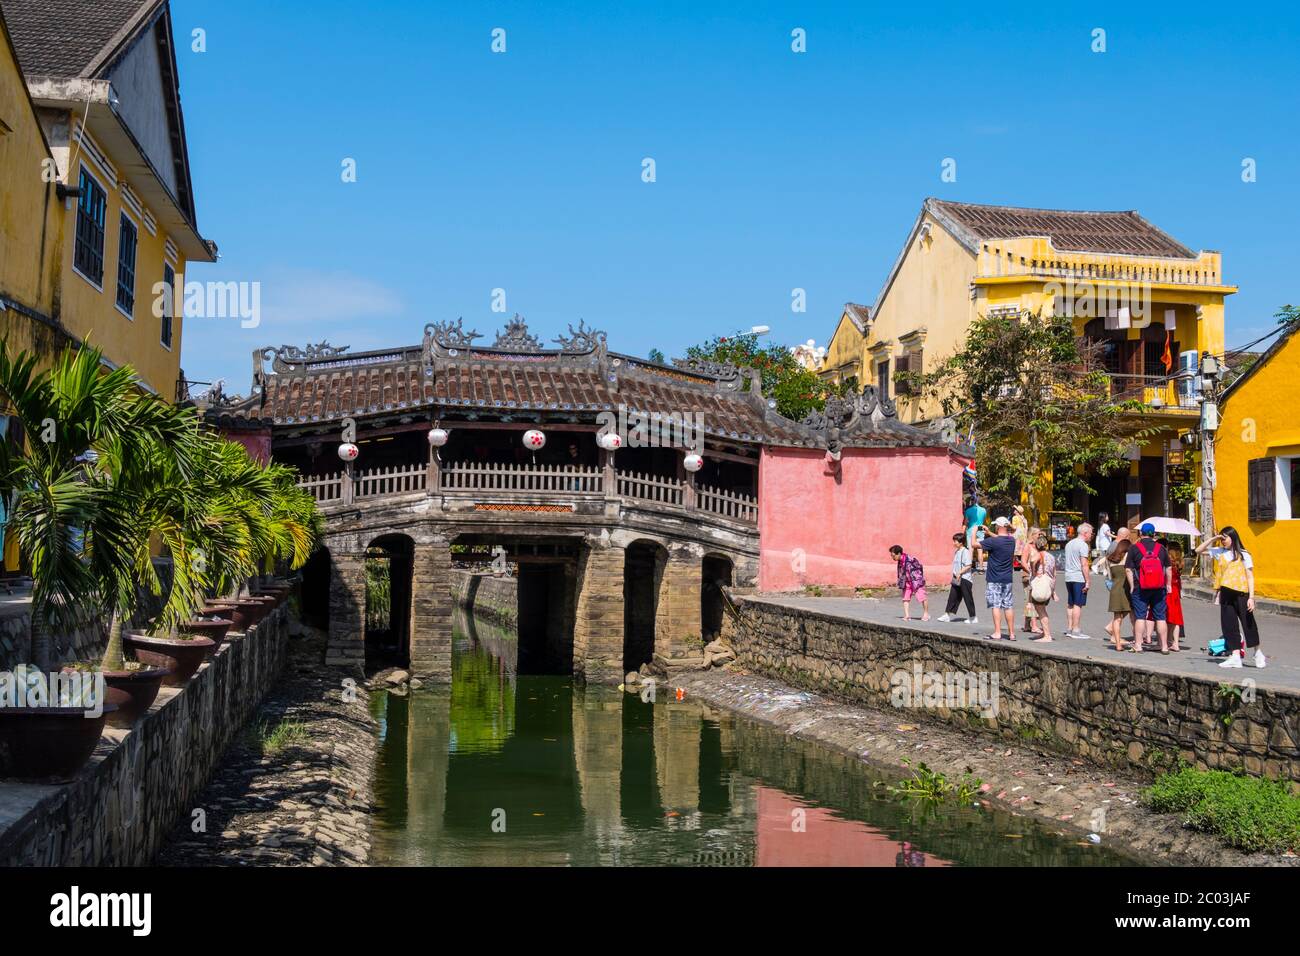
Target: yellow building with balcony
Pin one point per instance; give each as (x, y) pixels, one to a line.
(107, 157)
(1129, 286)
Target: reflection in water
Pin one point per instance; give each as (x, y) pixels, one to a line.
(500, 769)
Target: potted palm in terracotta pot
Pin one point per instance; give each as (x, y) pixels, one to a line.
(272, 521)
(70, 417)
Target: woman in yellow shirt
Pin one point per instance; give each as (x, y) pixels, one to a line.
(1234, 582)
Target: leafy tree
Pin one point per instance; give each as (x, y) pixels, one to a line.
(1038, 404)
(657, 356)
(1287, 314)
(796, 390)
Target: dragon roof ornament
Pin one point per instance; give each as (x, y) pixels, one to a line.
(450, 335)
(286, 359)
(581, 340)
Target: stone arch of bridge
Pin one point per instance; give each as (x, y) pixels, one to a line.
(388, 567)
(644, 561)
(717, 571)
(545, 569)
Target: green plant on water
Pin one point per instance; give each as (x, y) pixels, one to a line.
(1249, 813)
(272, 738)
(934, 786)
(1229, 697)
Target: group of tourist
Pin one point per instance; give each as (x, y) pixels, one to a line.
(1142, 574)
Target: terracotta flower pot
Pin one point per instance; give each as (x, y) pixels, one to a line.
(242, 612)
(132, 692)
(184, 655)
(213, 628)
(47, 743)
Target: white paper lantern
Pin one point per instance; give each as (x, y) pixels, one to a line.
(693, 462)
(610, 441)
(438, 437)
(349, 451)
(534, 440)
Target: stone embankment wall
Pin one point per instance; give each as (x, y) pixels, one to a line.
(1110, 714)
(142, 781)
(85, 643)
(495, 599)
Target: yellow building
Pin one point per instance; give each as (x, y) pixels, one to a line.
(1129, 286)
(843, 361)
(112, 165)
(1257, 465)
(29, 218)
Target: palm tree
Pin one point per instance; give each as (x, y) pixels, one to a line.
(106, 473)
(87, 501)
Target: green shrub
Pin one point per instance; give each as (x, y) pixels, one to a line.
(1246, 812)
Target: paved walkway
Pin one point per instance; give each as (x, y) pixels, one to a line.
(1279, 634)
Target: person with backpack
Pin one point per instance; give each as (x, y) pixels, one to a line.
(1234, 592)
(911, 581)
(1148, 570)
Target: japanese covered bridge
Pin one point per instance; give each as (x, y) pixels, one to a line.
(621, 553)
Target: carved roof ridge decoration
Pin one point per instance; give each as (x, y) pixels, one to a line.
(450, 335)
(725, 374)
(582, 340)
(515, 337)
(290, 359)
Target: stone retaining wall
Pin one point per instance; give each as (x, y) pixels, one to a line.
(1110, 714)
(140, 782)
(85, 643)
(492, 598)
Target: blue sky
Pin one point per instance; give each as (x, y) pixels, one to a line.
(775, 170)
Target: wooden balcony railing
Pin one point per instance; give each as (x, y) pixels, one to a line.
(531, 479)
(471, 478)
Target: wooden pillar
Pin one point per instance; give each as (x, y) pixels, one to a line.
(431, 612)
(688, 482)
(434, 477)
(347, 637)
(609, 478)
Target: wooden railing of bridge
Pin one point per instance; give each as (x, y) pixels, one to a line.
(470, 478)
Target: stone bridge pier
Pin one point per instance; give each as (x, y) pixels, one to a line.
(604, 602)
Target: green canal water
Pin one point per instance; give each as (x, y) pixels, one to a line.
(507, 770)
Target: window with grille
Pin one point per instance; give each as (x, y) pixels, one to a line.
(128, 239)
(169, 303)
(92, 207)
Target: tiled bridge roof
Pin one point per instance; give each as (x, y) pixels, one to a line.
(517, 377)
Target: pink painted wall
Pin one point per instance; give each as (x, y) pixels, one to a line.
(844, 527)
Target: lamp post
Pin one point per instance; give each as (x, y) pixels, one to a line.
(1210, 375)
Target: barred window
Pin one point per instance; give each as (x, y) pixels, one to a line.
(128, 238)
(92, 207)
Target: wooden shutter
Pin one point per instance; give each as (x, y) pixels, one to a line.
(902, 365)
(1261, 489)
